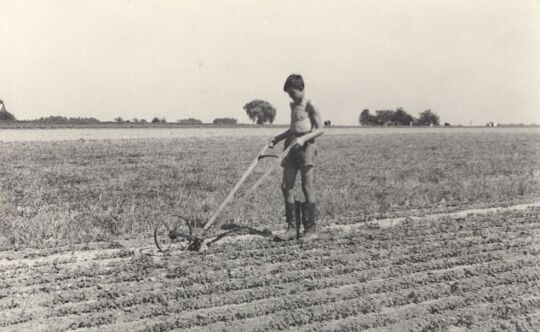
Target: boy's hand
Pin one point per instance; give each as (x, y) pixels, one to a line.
(272, 143)
(298, 140)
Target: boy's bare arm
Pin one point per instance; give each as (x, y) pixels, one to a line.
(280, 137)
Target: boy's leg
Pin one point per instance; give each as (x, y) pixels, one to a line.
(310, 229)
(308, 173)
(287, 186)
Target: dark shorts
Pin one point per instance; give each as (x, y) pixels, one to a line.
(300, 156)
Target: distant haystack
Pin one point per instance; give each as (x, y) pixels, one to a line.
(4, 114)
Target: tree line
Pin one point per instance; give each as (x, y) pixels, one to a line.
(398, 118)
(260, 112)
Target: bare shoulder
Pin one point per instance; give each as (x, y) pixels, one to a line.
(311, 107)
(314, 114)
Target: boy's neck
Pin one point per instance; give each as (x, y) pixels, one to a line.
(300, 100)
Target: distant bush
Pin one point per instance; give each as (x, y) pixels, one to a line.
(155, 120)
(225, 121)
(190, 121)
(63, 119)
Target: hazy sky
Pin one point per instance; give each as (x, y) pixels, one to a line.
(466, 60)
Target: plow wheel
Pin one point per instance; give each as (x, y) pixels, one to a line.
(173, 233)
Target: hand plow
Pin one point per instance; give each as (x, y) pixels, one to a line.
(175, 232)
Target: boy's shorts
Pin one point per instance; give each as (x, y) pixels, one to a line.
(300, 156)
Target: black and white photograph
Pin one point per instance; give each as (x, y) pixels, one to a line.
(270, 165)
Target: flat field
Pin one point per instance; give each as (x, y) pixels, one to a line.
(76, 219)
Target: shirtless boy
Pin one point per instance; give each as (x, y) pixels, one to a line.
(305, 126)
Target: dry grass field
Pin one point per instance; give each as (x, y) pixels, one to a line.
(76, 251)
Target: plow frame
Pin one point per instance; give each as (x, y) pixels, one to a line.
(176, 231)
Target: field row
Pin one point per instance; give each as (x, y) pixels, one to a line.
(373, 243)
(478, 272)
(76, 192)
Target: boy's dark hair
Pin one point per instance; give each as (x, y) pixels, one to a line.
(294, 81)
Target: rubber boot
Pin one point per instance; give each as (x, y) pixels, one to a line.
(290, 233)
(308, 219)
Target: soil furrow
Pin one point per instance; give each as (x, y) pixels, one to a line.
(219, 298)
(296, 311)
(315, 297)
(291, 275)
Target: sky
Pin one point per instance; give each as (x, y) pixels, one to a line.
(468, 61)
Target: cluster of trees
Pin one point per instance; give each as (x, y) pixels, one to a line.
(63, 119)
(260, 111)
(225, 121)
(190, 121)
(398, 118)
(136, 120)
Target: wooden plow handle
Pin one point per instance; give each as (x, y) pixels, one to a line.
(250, 169)
(235, 188)
(261, 179)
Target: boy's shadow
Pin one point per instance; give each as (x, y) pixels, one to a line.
(230, 230)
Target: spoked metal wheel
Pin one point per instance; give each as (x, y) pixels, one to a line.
(173, 233)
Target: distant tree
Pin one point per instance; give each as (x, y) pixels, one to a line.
(260, 111)
(155, 120)
(225, 121)
(163, 120)
(428, 118)
(402, 118)
(384, 117)
(4, 114)
(135, 120)
(142, 121)
(190, 121)
(367, 119)
(118, 119)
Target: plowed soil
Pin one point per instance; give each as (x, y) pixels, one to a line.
(456, 272)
